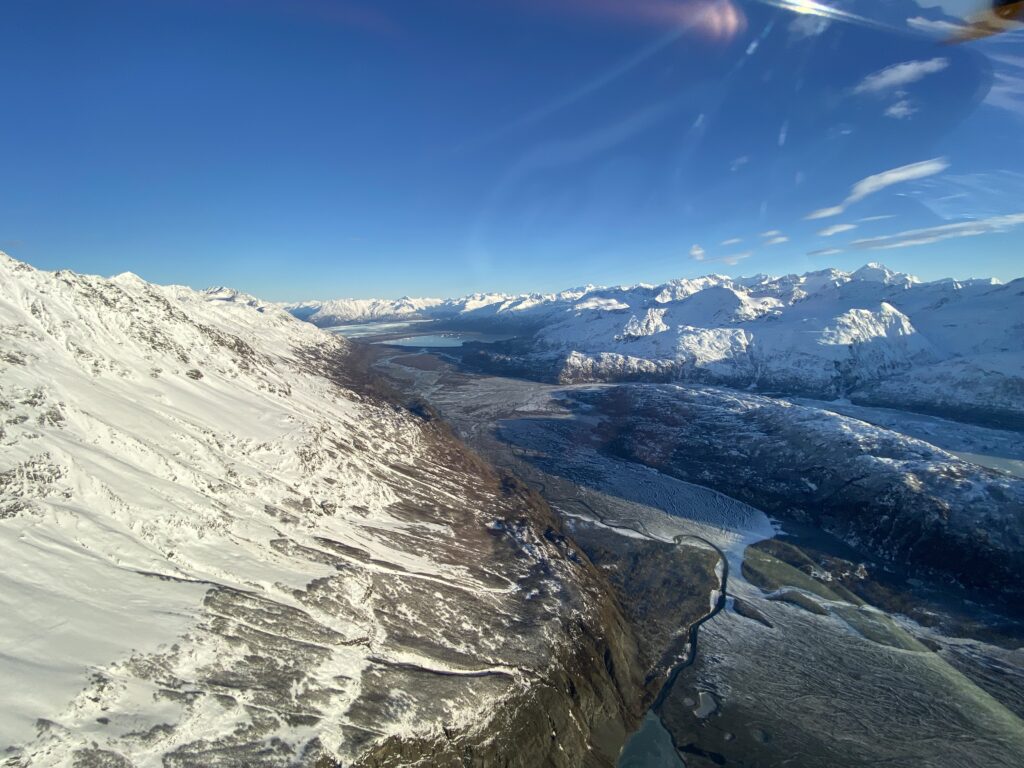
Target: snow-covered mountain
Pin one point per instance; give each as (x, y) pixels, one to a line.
(476, 306)
(220, 546)
(873, 334)
(339, 311)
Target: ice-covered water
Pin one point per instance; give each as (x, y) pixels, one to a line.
(445, 339)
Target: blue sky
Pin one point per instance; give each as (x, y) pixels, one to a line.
(320, 148)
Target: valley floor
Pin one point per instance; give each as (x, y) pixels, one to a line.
(797, 669)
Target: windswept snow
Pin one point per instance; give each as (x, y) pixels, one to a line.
(212, 548)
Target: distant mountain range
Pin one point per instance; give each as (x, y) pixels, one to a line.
(873, 335)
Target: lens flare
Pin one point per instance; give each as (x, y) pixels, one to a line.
(813, 8)
(719, 20)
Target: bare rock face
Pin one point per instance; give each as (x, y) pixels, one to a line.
(222, 544)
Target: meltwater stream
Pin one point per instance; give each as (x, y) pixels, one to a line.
(652, 745)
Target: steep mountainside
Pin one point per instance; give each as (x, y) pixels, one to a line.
(873, 335)
(902, 499)
(220, 545)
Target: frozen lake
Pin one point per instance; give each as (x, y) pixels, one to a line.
(443, 339)
(403, 334)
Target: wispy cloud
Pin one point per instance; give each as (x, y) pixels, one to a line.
(836, 229)
(732, 259)
(733, 241)
(1007, 91)
(982, 194)
(901, 110)
(929, 235)
(774, 237)
(825, 213)
(879, 181)
(882, 217)
(825, 252)
(697, 253)
(900, 75)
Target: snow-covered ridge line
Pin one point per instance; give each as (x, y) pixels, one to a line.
(216, 547)
(874, 334)
(339, 311)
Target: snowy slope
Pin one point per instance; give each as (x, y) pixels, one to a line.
(217, 548)
(872, 334)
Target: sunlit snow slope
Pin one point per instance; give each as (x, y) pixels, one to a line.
(217, 547)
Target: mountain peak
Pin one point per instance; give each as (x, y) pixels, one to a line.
(876, 272)
(9, 262)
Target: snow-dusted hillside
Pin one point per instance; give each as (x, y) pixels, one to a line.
(219, 547)
(873, 335)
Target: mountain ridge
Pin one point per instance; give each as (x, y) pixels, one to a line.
(327, 312)
(873, 335)
(222, 545)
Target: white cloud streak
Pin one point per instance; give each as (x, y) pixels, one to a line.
(697, 253)
(733, 241)
(732, 259)
(836, 229)
(1007, 91)
(900, 75)
(825, 252)
(930, 235)
(738, 163)
(879, 181)
(901, 110)
(825, 213)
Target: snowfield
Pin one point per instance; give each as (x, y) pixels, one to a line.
(219, 547)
